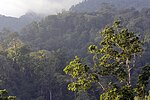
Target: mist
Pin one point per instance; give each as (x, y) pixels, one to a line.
(17, 8)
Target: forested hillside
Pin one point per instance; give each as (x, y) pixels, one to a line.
(16, 24)
(73, 32)
(32, 60)
(97, 5)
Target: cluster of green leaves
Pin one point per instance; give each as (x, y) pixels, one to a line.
(143, 81)
(4, 95)
(123, 93)
(81, 79)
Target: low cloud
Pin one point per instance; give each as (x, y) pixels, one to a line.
(19, 7)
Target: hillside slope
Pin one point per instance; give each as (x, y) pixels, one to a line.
(96, 5)
(16, 24)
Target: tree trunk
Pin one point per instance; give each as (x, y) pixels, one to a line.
(134, 60)
(50, 95)
(129, 71)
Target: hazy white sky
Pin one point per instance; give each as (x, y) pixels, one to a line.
(19, 7)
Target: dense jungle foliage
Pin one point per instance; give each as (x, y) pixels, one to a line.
(32, 60)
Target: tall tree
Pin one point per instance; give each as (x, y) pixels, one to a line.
(113, 61)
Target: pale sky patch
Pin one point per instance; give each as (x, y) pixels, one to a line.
(17, 8)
